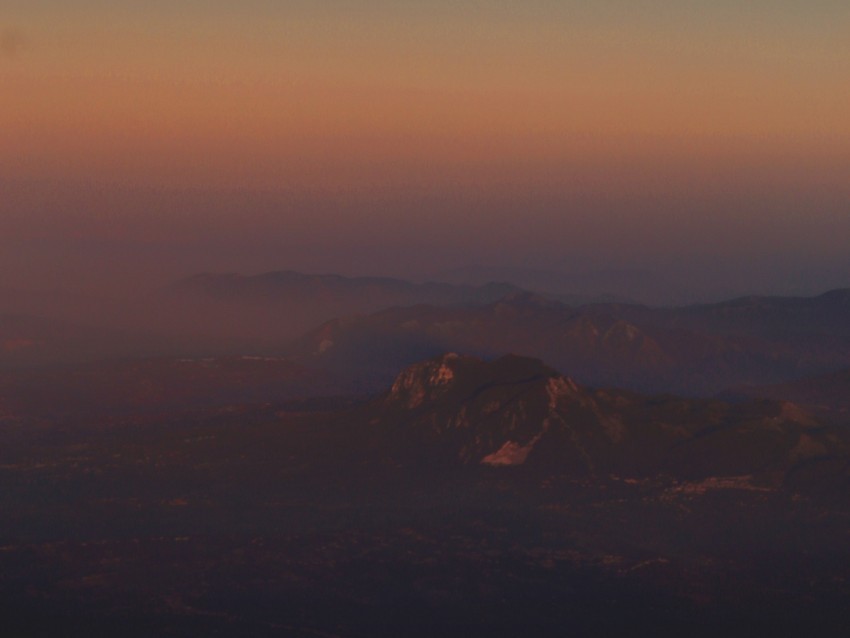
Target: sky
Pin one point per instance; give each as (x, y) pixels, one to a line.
(707, 143)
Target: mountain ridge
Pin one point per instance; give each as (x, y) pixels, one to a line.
(693, 350)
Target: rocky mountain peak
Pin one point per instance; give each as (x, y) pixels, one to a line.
(424, 381)
(489, 412)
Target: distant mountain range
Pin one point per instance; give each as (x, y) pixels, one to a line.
(207, 314)
(363, 330)
(692, 350)
(276, 306)
(573, 288)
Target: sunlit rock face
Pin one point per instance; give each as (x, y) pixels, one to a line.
(424, 381)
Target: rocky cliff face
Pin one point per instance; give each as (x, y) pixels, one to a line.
(424, 382)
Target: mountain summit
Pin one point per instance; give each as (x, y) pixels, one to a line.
(493, 413)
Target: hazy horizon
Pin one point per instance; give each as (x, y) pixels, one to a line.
(703, 146)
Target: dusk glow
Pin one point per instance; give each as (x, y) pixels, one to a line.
(594, 121)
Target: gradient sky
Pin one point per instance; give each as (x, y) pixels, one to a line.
(710, 140)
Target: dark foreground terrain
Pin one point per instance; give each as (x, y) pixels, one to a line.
(472, 499)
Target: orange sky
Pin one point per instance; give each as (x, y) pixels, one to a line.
(648, 112)
(274, 98)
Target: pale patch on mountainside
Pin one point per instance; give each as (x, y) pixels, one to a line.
(511, 453)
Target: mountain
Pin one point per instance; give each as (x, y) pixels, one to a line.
(825, 315)
(699, 350)
(575, 289)
(516, 411)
